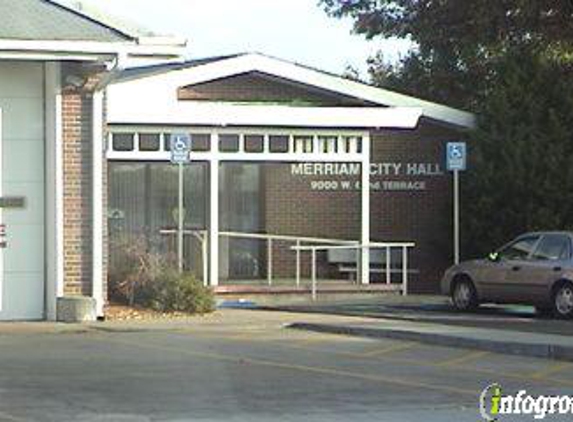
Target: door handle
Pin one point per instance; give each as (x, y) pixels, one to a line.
(557, 268)
(516, 268)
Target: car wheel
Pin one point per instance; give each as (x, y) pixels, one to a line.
(543, 312)
(563, 301)
(464, 295)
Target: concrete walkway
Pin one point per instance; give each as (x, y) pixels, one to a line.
(549, 346)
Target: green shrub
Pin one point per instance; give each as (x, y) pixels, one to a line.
(174, 292)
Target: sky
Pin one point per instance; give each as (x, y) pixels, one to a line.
(295, 30)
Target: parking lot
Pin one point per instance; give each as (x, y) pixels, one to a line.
(244, 365)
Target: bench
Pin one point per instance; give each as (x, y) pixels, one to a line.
(346, 261)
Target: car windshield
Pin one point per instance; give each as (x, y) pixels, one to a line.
(519, 249)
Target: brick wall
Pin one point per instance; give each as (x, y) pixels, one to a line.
(292, 207)
(77, 107)
(265, 88)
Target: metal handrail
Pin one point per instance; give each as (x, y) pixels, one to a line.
(201, 235)
(374, 245)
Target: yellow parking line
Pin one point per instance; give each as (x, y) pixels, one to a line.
(389, 349)
(296, 367)
(552, 369)
(463, 359)
(388, 357)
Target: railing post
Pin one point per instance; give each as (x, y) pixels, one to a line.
(204, 240)
(298, 263)
(358, 266)
(388, 265)
(270, 261)
(313, 274)
(405, 270)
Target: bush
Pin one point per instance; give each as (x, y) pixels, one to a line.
(132, 267)
(174, 292)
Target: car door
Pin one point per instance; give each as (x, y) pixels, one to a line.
(530, 280)
(498, 278)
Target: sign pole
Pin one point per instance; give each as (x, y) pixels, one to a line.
(180, 147)
(180, 221)
(456, 217)
(456, 161)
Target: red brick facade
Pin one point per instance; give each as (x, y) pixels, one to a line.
(293, 207)
(77, 112)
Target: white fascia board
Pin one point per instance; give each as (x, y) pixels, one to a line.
(221, 114)
(87, 49)
(291, 71)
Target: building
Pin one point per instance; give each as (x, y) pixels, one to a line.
(284, 145)
(281, 145)
(55, 63)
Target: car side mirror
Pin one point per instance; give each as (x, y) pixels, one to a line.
(494, 257)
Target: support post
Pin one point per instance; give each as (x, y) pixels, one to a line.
(180, 219)
(204, 243)
(54, 191)
(298, 263)
(365, 191)
(405, 271)
(313, 276)
(388, 265)
(214, 220)
(270, 262)
(97, 201)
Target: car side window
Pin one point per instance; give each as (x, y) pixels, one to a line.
(519, 249)
(553, 247)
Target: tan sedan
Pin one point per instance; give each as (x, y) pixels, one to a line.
(535, 268)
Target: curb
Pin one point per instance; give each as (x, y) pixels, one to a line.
(537, 350)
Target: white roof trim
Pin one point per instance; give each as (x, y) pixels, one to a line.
(129, 29)
(191, 113)
(87, 48)
(260, 63)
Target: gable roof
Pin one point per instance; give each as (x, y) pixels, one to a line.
(41, 29)
(174, 76)
(46, 20)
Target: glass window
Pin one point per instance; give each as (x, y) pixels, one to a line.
(254, 143)
(303, 144)
(520, 249)
(122, 141)
(327, 144)
(229, 143)
(279, 143)
(200, 142)
(167, 141)
(351, 144)
(149, 141)
(553, 247)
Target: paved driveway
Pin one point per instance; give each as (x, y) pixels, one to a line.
(244, 366)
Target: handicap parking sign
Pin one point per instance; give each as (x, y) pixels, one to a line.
(456, 156)
(180, 147)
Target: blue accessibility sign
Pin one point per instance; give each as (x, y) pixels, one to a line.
(180, 144)
(456, 156)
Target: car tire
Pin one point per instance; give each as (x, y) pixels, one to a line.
(563, 300)
(464, 295)
(543, 312)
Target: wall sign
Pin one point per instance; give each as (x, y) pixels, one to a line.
(12, 202)
(3, 242)
(387, 176)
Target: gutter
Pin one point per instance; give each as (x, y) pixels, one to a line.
(98, 212)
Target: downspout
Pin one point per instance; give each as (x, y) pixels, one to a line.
(98, 156)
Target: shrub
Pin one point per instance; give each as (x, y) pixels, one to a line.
(174, 292)
(132, 268)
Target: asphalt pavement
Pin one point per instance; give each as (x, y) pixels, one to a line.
(240, 365)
